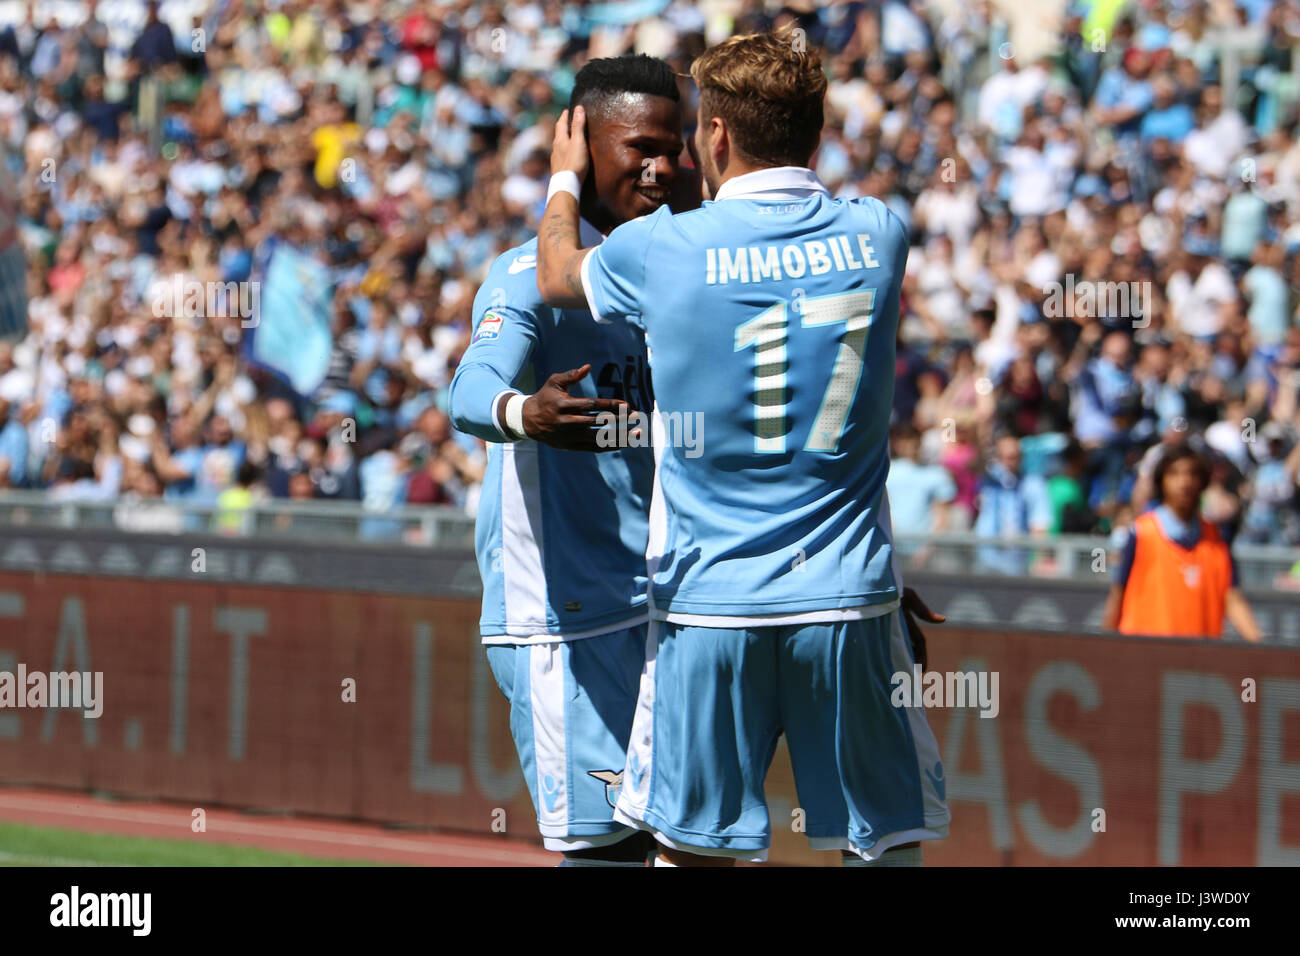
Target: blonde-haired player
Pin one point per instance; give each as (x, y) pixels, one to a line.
(771, 314)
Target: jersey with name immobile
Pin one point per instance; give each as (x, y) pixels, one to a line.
(774, 321)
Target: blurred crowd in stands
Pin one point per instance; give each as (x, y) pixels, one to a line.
(1105, 237)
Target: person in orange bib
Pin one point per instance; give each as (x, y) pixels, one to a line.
(1177, 577)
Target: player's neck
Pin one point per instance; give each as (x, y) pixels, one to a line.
(736, 168)
(591, 210)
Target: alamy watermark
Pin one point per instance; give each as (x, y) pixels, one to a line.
(178, 297)
(81, 690)
(631, 429)
(1089, 300)
(128, 910)
(946, 689)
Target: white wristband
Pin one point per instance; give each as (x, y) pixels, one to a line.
(515, 417)
(566, 181)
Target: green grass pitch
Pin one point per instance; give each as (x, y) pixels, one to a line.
(22, 845)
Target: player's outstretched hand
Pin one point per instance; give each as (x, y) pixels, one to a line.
(570, 148)
(913, 607)
(554, 417)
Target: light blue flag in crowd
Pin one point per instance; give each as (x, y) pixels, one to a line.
(13, 274)
(619, 13)
(13, 293)
(292, 335)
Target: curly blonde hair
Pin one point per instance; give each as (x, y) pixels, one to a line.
(769, 89)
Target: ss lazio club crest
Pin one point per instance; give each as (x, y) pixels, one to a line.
(613, 783)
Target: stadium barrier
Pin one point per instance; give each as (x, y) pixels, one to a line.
(1104, 750)
(417, 529)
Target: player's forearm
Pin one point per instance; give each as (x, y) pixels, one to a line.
(476, 401)
(1110, 615)
(1241, 617)
(560, 254)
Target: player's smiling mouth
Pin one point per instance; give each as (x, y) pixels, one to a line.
(656, 195)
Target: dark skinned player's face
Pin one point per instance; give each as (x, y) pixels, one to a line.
(635, 145)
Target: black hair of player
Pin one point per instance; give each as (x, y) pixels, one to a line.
(601, 81)
(1175, 454)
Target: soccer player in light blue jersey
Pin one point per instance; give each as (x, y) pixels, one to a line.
(770, 316)
(561, 533)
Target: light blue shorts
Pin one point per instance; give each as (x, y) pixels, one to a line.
(571, 707)
(714, 702)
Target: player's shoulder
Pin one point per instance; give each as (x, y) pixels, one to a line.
(644, 225)
(516, 266)
(704, 224)
(625, 249)
(872, 208)
(512, 279)
(1210, 532)
(887, 230)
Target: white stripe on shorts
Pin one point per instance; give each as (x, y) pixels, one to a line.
(546, 692)
(522, 546)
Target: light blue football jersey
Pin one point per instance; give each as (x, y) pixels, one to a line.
(771, 317)
(560, 535)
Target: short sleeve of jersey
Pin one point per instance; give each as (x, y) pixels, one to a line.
(890, 237)
(614, 273)
(902, 247)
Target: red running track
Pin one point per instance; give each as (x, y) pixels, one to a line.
(309, 837)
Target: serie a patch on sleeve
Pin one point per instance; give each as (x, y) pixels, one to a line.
(489, 327)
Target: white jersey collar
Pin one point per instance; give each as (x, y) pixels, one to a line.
(776, 183)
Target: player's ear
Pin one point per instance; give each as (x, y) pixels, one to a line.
(718, 136)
